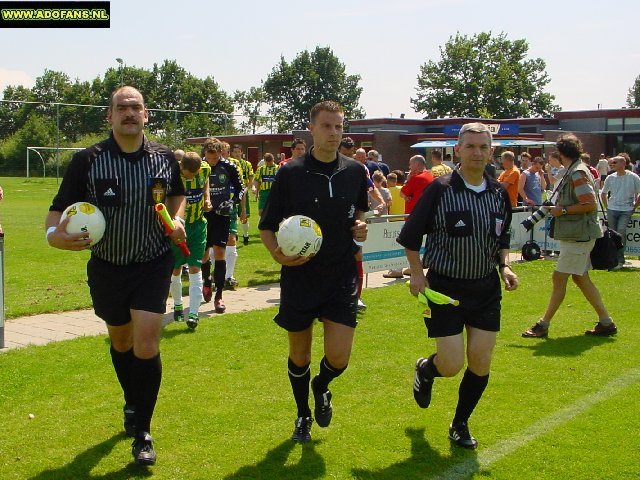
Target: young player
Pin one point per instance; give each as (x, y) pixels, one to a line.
(195, 178)
(264, 178)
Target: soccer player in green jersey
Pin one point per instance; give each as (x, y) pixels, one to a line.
(195, 178)
(247, 179)
(231, 252)
(264, 178)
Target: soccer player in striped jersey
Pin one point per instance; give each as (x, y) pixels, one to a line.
(247, 178)
(231, 252)
(195, 178)
(264, 178)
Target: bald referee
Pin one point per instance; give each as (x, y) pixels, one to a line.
(129, 270)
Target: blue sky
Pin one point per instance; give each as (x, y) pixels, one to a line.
(591, 48)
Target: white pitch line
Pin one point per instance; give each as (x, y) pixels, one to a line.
(542, 426)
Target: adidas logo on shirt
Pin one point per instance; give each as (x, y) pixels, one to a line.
(460, 224)
(111, 193)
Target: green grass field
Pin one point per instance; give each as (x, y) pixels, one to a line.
(40, 279)
(565, 407)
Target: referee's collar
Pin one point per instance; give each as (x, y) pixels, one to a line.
(115, 149)
(457, 181)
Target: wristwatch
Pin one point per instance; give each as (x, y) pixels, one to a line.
(564, 210)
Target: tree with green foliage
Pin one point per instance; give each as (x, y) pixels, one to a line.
(484, 76)
(166, 87)
(252, 105)
(293, 88)
(633, 97)
(39, 131)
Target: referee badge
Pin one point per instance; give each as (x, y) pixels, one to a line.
(157, 190)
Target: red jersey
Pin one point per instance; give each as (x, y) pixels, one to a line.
(414, 187)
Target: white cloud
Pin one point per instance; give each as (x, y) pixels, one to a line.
(14, 77)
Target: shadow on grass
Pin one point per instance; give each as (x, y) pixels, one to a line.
(564, 346)
(424, 461)
(86, 461)
(310, 465)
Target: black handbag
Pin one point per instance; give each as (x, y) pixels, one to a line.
(604, 255)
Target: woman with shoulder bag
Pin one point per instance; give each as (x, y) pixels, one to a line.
(576, 229)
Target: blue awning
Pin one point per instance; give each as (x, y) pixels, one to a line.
(495, 143)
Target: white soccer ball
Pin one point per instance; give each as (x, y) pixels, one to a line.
(85, 217)
(299, 235)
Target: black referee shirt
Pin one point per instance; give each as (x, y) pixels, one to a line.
(464, 229)
(330, 193)
(125, 186)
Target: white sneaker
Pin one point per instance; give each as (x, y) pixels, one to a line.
(361, 306)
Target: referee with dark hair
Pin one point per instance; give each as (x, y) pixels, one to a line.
(129, 271)
(466, 216)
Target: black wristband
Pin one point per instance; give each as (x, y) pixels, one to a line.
(504, 265)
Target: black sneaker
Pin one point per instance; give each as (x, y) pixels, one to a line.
(192, 321)
(245, 240)
(142, 449)
(129, 420)
(302, 430)
(421, 386)
(459, 433)
(323, 410)
(178, 313)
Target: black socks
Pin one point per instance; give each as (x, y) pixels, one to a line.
(299, 378)
(471, 389)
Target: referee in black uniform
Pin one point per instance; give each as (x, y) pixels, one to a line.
(466, 216)
(331, 189)
(130, 268)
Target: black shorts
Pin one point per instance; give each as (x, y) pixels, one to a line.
(479, 304)
(115, 289)
(217, 230)
(309, 292)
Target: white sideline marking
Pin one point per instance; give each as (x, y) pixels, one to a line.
(542, 426)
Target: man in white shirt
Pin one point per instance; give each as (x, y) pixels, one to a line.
(620, 196)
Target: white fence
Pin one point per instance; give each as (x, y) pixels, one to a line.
(382, 252)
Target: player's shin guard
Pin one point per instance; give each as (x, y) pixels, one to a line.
(123, 365)
(206, 273)
(195, 292)
(471, 389)
(299, 378)
(245, 229)
(231, 255)
(327, 373)
(219, 272)
(176, 289)
(146, 377)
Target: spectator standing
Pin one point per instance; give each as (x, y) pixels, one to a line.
(532, 183)
(419, 179)
(395, 180)
(372, 162)
(437, 167)
(620, 196)
(510, 177)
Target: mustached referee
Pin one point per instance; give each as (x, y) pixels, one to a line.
(130, 268)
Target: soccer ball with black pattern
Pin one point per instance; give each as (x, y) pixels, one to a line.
(299, 235)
